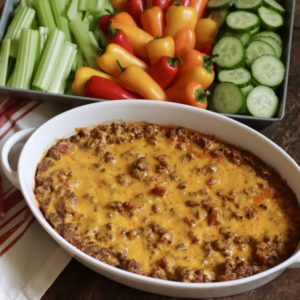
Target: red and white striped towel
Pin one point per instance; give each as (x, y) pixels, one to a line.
(29, 259)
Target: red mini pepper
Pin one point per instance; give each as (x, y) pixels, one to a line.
(119, 37)
(136, 7)
(104, 23)
(102, 88)
(164, 71)
(163, 4)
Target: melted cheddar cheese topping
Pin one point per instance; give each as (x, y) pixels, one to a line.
(167, 204)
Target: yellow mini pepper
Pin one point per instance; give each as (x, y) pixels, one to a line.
(108, 60)
(202, 75)
(82, 75)
(178, 17)
(206, 31)
(138, 38)
(139, 81)
(160, 47)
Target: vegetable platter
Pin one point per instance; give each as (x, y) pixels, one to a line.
(211, 54)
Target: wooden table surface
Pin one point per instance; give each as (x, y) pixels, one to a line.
(78, 282)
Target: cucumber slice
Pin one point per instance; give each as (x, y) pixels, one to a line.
(271, 34)
(219, 16)
(229, 52)
(272, 4)
(242, 21)
(272, 42)
(268, 70)
(239, 76)
(227, 98)
(257, 49)
(270, 18)
(262, 102)
(245, 37)
(218, 4)
(247, 89)
(248, 4)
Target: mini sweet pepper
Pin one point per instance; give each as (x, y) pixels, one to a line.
(123, 17)
(160, 47)
(103, 88)
(138, 37)
(185, 39)
(138, 80)
(82, 75)
(202, 75)
(178, 17)
(190, 59)
(152, 20)
(107, 61)
(164, 71)
(206, 31)
(117, 36)
(190, 93)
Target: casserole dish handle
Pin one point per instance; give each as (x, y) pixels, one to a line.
(16, 138)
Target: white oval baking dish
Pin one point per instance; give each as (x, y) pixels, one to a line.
(63, 125)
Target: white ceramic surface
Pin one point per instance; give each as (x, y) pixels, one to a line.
(160, 113)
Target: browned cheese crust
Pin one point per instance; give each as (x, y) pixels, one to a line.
(167, 202)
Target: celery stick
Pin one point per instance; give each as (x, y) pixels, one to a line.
(43, 35)
(88, 5)
(63, 67)
(4, 58)
(80, 62)
(43, 32)
(49, 60)
(84, 41)
(58, 9)
(26, 58)
(73, 12)
(22, 19)
(93, 39)
(89, 20)
(44, 13)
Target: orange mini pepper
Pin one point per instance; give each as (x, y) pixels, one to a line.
(152, 20)
(123, 17)
(202, 75)
(139, 81)
(138, 38)
(190, 59)
(178, 17)
(185, 39)
(190, 93)
(160, 47)
(206, 31)
(200, 6)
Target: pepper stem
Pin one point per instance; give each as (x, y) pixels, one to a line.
(201, 95)
(120, 66)
(174, 61)
(177, 3)
(112, 32)
(208, 63)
